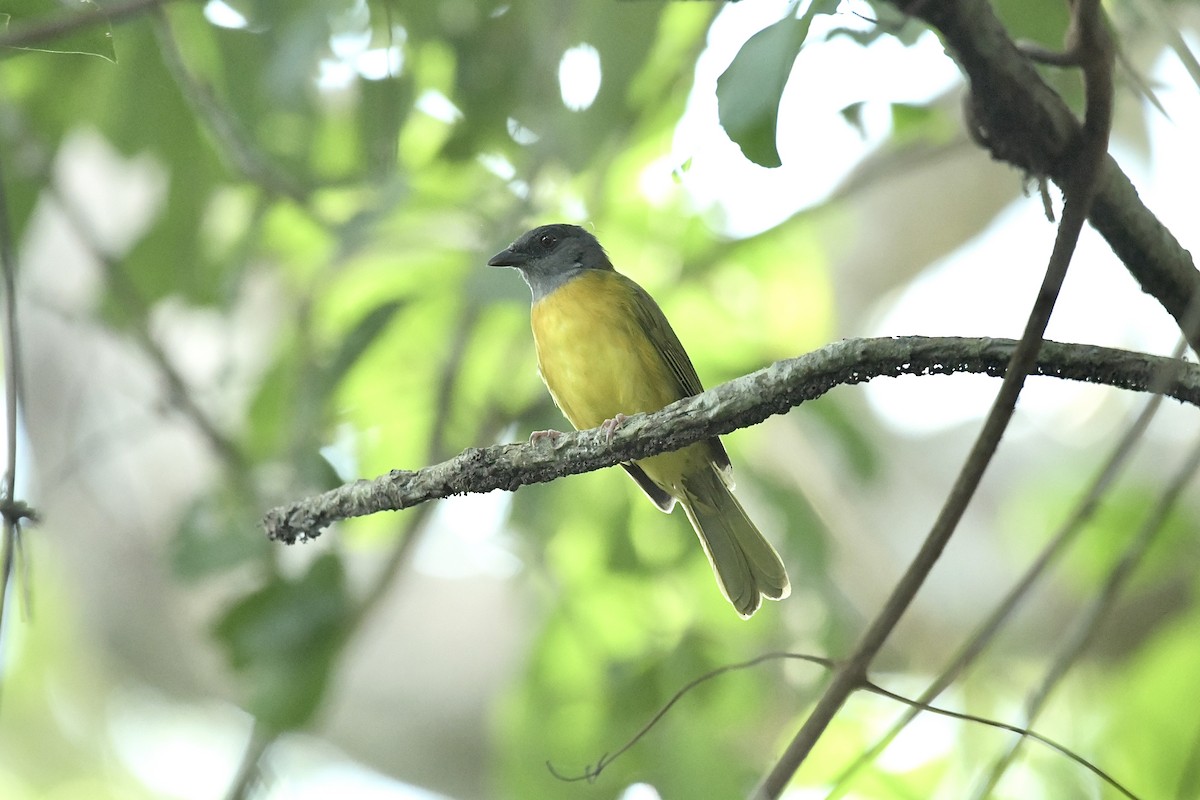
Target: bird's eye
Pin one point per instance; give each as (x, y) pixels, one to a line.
(548, 240)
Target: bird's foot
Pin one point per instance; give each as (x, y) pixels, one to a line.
(542, 436)
(609, 427)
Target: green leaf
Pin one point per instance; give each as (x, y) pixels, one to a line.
(273, 408)
(283, 640)
(214, 537)
(93, 40)
(748, 91)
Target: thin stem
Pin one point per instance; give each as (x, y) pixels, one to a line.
(12, 397)
(46, 30)
(1095, 51)
(1066, 534)
(1097, 611)
(249, 772)
(592, 772)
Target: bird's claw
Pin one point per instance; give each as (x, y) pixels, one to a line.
(608, 428)
(540, 436)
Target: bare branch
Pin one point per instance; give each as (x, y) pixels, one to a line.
(249, 775)
(1004, 726)
(983, 636)
(1089, 45)
(742, 402)
(1097, 611)
(592, 772)
(14, 511)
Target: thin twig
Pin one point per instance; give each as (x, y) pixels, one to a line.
(1098, 610)
(986, 633)
(1094, 50)
(1004, 726)
(13, 393)
(592, 772)
(249, 771)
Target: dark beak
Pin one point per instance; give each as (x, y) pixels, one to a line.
(507, 258)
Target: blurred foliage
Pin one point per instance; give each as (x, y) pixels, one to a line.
(284, 637)
(361, 161)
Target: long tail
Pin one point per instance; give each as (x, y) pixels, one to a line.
(746, 565)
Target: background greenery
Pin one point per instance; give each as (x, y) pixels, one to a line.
(252, 268)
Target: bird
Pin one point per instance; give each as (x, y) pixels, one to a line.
(606, 351)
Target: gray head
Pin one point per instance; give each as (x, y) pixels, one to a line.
(551, 255)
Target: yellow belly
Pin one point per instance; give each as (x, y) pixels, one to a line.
(597, 363)
(594, 359)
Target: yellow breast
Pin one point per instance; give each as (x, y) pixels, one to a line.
(593, 356)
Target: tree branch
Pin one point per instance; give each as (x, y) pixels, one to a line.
(1028, 125)
(983, 636)
(742, 402)
(592, 772)
(1090, 46)
(1080, 637)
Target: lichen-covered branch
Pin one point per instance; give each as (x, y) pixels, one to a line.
(742, 402)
